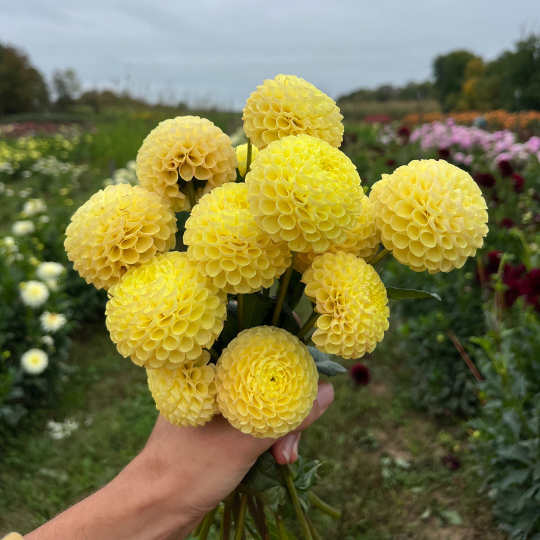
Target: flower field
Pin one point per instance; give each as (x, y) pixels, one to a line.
(436, 428)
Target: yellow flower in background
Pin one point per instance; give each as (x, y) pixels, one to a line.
(241, 154)
(266, 382)
(185, 395)
(181, 150)
(227, 245)
(363, 241)
(352, 303)
(305, 192)
(164, 312)
(288, 105)
(431, 214)
(34, 361)
(119, 227)
(33, 293)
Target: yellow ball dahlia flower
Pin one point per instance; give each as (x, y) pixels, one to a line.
(164, 312)
(352, 303)
(288, 105)
(431, 214)
(305, 192)
(185, 395)
(266, 381)
(117, 228)
(181, 150)
(241, 154)
(227, 245)
(362, 241)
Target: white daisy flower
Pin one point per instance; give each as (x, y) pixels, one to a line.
(34, 293)
(34, 361)
(51, 322)
(49, 270)
(48, 340)
(20, 228)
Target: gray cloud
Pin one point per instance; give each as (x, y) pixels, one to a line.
(221, 49)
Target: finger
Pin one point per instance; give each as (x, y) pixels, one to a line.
(325, 397)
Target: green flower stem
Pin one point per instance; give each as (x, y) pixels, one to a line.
(308, 325)
(287, 476)
(257, 513)
(191, 194)
(325, 508)
(213, 354)
(207, 523)
(379, 257)
(283, 291)
(248, 157)
(240, 311)
(225, 532)
(197, 530)
(312, 528)
(241, 517)
(282, 531)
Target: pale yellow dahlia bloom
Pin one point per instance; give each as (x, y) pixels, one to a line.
(181, 150)
(431, 214)
(352, 302)
(363, 241)
(266, 381)
(117, 228)
(185, 395)
(164, 312)
(305, 192)
(241, 154)
(288, 105)
(227, 245)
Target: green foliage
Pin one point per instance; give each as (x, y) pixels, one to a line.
(22, 87)
(324, 364)
(507, 431)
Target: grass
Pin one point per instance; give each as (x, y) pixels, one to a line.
(383, 464)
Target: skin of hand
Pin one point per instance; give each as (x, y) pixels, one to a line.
(179, 476)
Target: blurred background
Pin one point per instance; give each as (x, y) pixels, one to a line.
(436, 435)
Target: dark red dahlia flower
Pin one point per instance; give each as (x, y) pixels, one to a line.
(486, 180)
(505, 167)
(519, 182)
(444, 153)
(359, 374)
(507, 223)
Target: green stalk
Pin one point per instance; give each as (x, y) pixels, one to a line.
(282, 531)
(379, 257)
(191, 194)
(248, 157)
(286, 472)
(325, 508)
(241, 517)
(308, 325)
(283, 291)
(312, 528)
(240, 311)
(257, 513)
(207, 523)
(225, 532)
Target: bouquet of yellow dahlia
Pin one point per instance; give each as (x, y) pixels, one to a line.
(283, 217)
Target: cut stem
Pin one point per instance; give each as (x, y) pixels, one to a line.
(191, 194)
(283, 291)
(308, 325)
(282, 531)
(225, 532)
(241, 517)
(325, 508)
(240, 311)
(286, 472)
(207, 523)
(379, 257)
(248, 157)
(312, 528)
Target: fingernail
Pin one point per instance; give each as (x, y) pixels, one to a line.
(294, 455)
(288, 444)
(325, 395)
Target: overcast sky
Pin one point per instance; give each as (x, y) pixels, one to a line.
(220, 50)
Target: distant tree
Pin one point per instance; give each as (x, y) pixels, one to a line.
(449, 73)
(417, 91)
(22, 88)
(66, 87)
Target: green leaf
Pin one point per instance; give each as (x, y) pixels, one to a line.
(264, 480)
(324, 364)
(256, 309)
(295, 290)
(306, 475)
(401, 294)
(451, 516)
